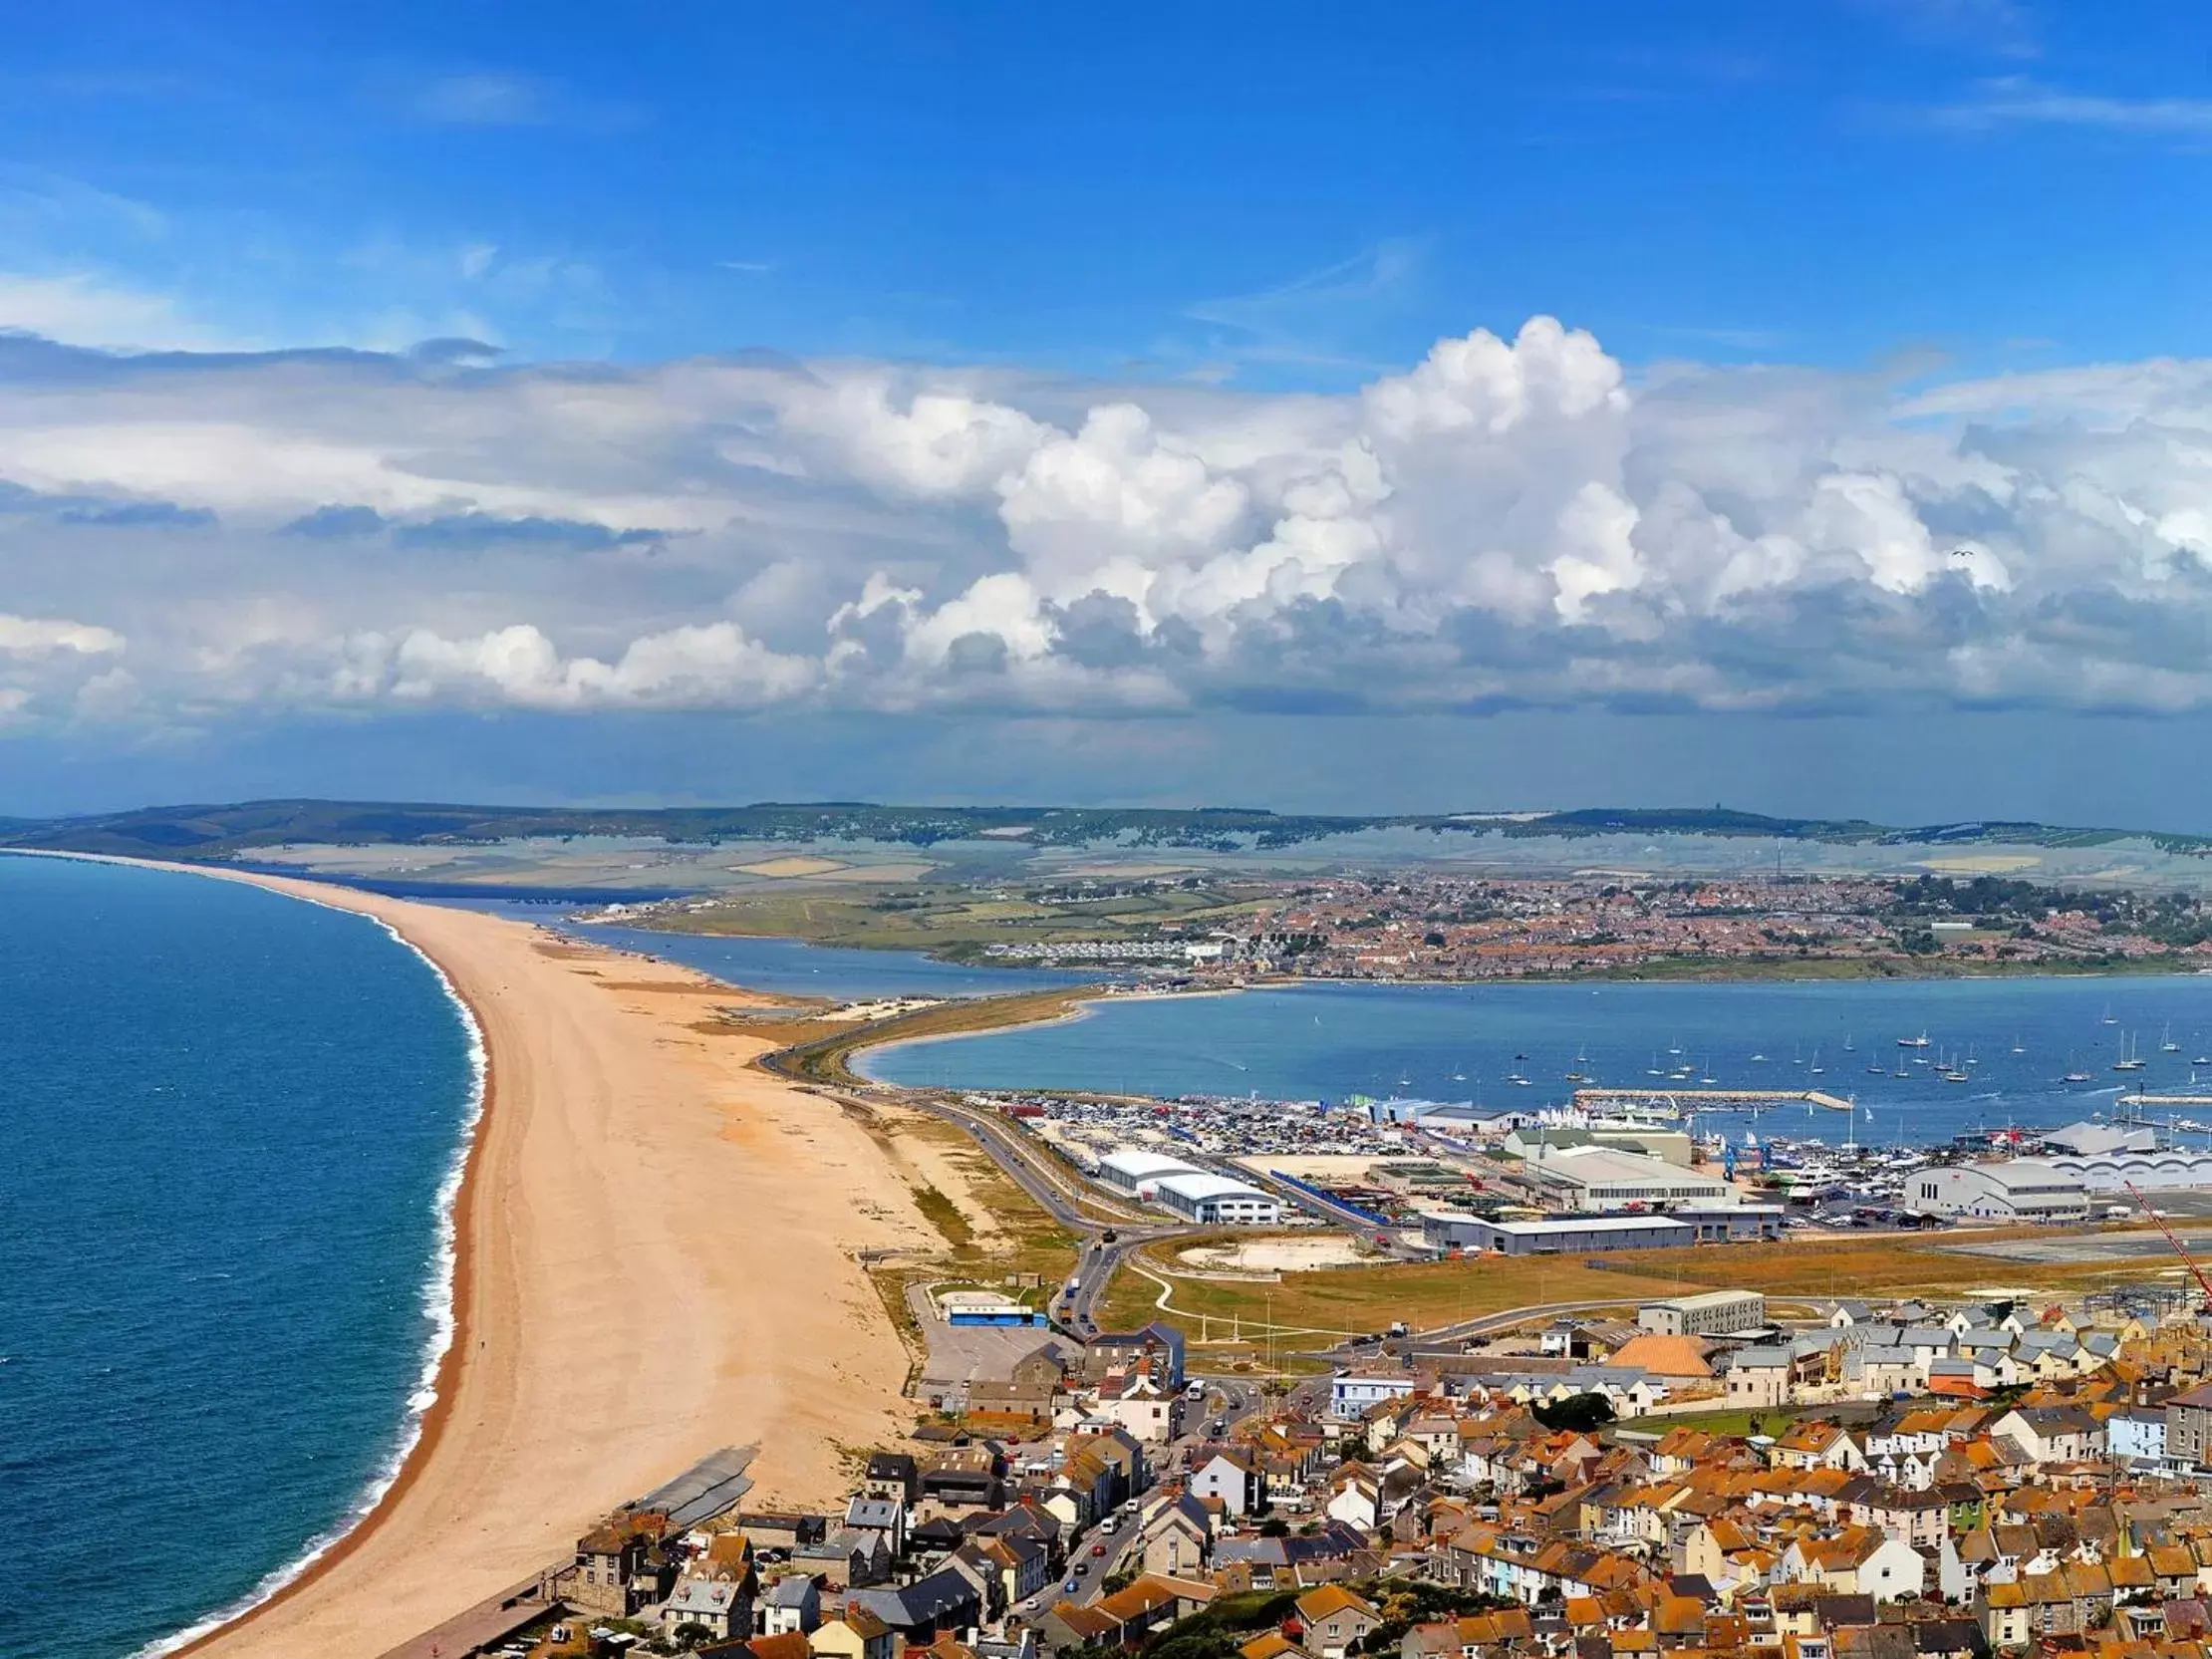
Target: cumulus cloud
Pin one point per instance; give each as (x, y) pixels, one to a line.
(1514, 518)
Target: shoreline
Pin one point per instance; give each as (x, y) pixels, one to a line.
(448, 1287)
(425, 1424)
(610, 1321)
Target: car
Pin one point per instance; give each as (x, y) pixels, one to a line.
(1098, 1550)
(1071, 1586)
(1082, 1568)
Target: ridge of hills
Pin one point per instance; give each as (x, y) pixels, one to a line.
(218, 832)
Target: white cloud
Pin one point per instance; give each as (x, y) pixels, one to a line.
(90, 309)
(694, 666)
(2018, 102)
(45, 636)
(1507, 519)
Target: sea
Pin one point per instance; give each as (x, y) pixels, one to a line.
(1524, 1045)
(232, 1122)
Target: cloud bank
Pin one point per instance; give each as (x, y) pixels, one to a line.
(192, 537)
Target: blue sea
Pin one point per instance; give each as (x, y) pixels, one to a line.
(2013, 1039)
(231, 1122)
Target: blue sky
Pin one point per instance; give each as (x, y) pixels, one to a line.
(1113, 404)
(1301, 194)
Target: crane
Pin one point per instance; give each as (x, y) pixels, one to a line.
(2187, 1260)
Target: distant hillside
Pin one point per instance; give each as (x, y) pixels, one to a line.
(222, 832)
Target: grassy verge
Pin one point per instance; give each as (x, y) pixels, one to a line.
(1771, 1421)
(1357, 1299)
(1429, 1293)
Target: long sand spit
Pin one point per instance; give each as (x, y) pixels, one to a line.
(657, 1257)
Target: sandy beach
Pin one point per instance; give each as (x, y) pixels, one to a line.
(656, 1259)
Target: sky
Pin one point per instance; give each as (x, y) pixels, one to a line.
(1414, 408)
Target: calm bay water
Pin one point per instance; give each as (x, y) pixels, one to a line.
(229, 1116)
(1454, 1042)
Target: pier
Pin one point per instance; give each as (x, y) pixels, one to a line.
(1720, 1099)
(2164, 1100)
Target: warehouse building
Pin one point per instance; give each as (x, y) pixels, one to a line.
(2023, 1189)
(1555, 1235)
(1134, 1171)
(1731, 1224)
(1596, 1179)
(1653, 1140)
(2173, 1170)
(1715, 1313)
(1216, 1200)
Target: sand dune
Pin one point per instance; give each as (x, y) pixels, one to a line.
(658, 1260)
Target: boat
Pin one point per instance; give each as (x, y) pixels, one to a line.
(1877, 1069)
(1921, 1041)
(2109, 1020)
(2128, 1061)
(1955, 1075)
(1759, 1059)
(2017, 1048)
(2166, 1044)
(1847, 1048)
(2076, 1077)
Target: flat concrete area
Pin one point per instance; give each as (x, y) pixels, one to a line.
(2075, 1250)
(963, 1354)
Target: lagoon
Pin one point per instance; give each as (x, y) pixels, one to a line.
(1468, 1042)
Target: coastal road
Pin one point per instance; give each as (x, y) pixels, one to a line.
(1098, 1255)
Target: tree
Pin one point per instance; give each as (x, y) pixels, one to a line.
(1578, 1412)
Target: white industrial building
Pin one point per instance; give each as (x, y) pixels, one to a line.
(2021, 1188)
(2099, 1139)
(1598, 1178)
(1134, 1171)
(1216, 1200)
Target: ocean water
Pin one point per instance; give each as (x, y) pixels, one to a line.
(230, 1120)
(1452, 1042)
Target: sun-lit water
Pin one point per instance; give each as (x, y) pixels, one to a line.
(228, 1117)
(2014, 1039)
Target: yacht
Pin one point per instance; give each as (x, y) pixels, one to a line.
(2166, 1044)
(1921, 1041)
(2128, 1060)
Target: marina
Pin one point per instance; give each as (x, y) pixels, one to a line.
(1934, 1060)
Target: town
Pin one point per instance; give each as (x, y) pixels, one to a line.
(1417, 925)
(1776, 1475)
(1896, 1478)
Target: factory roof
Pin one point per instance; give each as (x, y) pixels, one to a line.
(1137, 1162)
(1567, 1223)
(1605, 1166)
(1199, 1185)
